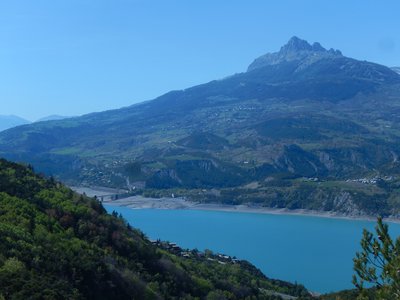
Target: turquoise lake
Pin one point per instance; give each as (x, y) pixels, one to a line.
(314, 251)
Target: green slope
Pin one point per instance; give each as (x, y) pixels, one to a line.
(55, 244)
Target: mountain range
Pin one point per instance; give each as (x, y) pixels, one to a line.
(10, 121)
(302, 128)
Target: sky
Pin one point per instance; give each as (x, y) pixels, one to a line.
(72, 57)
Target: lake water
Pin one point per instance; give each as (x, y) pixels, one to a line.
(314, 251)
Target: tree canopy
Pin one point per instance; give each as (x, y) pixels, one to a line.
(378, 264)
(56, 244)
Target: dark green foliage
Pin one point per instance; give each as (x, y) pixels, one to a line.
(378, 263)
(203, 141)
(197, 174)
(368, 294)
(288, 128)
(133, 170)
(55, 244)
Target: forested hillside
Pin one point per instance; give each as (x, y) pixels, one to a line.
(55, 244)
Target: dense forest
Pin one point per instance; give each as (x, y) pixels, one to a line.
(56, 244)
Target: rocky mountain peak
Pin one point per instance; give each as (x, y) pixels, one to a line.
(295, 49)
(296, 44)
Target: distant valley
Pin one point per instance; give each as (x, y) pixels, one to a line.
(302, 128)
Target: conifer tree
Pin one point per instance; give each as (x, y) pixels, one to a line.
(378, 264)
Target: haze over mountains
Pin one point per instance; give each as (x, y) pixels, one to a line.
(10, 121)
(304, 127)
(52, 118)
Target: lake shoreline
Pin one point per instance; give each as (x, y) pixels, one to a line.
(140, 202)
(280, 246)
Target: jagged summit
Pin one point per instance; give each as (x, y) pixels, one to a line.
(295, 49)
(296, 44)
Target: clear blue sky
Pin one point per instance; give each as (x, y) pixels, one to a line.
(72, 57)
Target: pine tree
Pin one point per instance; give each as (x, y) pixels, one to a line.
(378, 264)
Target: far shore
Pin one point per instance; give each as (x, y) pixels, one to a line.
(140, 202)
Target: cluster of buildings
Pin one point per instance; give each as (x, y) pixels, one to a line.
(373, 180)
(175, 249)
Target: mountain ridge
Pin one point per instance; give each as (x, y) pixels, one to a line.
(10, 121)
(332, 118)
(52, 118)
(396, 69)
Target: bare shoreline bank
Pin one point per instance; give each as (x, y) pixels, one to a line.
(139, 202)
